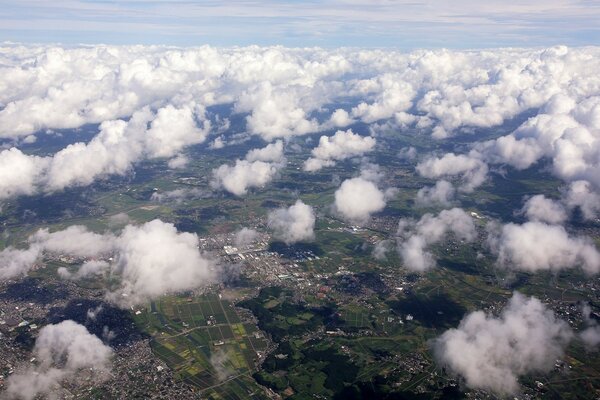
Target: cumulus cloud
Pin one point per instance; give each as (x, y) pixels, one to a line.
(293, 224)
(115, 150)
(258, 168)
(342, 145)
(414, 237)
(357, 198)
(243, 175)
(539, 208)
(149, 260)
(153, 259)
(245, 237)
(151, 102)
(440, 194)
(179, 195)
(535, 246)
(581, 195)
(471, 169)
(271, 153)
(61, 351)
(590, 336)
(491, 353)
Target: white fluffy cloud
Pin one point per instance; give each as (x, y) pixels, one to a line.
(539, 208)
(535, 246)
(342, 145)
(293, 224)
(258, 168)
(280, 90)
(237, 179)
(471, 169)
(442, 193)
(61, 351)
(491, 352)
(150, 259)
(245, 237)
(581, 195)
(414, 238)
(154, 259)
(590, 336)
(271, 153)
(115, 150)
(357, 198)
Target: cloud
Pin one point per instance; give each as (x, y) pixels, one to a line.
(149, 260)
(541, 209)
(237, 179)
(536, 246)
(245, 237)
(180, 161)
(152, 102)
(414, 238)
(19, 173)
(114, 151)
(258, 168)
(179, 195)
(440, 194)
(154, 259)
(293, 224)
(271, 153)
(87, 269)
(590, 336)
(357, 198)
(340, 146)
(581, 195)
(381, 249)
(61, 352)
(491, 353)
(472, 170)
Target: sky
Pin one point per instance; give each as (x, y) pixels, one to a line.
(401, 24)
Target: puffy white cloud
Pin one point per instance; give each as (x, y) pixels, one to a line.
(340, 146)
(415, 237)
(237, 179)
(535, 246)
(88, 268)
(75, 240)
(61, 352)
(245, 237)
(150, 260)
(179, 195)
(116, 148)
(19, 173)
(472, 170)
(581, 195)
(154, 259)
(491, 353)
(151, 102)
(177, 162)
(440, 194)
(293, 224)
(17, 262)
(271, 153)
(590, 336)
(340, 118)
(539, 208)
(357, 198)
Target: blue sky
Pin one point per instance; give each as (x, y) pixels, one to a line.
(403, 24)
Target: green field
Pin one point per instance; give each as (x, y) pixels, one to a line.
(206, 344)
